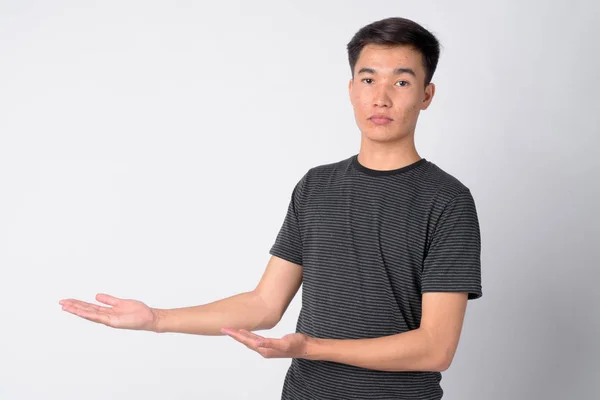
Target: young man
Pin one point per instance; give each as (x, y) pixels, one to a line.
(385, 244)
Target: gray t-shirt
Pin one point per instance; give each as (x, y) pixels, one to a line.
(370, 244)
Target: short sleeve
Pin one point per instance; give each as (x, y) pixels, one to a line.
(288, 243)
(453, 260)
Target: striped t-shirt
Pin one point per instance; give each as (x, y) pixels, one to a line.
(370, 242)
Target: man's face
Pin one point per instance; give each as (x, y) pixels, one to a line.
(389, 81)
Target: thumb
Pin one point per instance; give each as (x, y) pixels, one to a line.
(107, 299)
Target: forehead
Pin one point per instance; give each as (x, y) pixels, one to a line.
(386, 58)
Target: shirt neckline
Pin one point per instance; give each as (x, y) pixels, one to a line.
(376, 172)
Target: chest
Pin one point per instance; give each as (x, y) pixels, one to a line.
(355, 230)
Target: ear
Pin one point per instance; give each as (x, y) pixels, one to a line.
(429, 93)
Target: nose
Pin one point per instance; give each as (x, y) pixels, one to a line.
(381, 98)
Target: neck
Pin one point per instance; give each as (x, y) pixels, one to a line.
(387, 156)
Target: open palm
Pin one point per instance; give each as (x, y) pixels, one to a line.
(123, 313)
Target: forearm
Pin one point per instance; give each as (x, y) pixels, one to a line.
(242, 311)
(414, 350)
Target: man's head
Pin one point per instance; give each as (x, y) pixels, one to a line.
(392, 63)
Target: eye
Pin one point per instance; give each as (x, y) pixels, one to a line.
(367, 79)
(405, 83)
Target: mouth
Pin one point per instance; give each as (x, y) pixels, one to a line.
(380, 119)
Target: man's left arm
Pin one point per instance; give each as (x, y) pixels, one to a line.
(431, 347)
(450, 277)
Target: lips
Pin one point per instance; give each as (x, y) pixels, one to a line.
(380, 119)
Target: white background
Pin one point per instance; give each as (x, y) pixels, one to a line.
(148, 150)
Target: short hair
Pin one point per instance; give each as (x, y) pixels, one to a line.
(397, 31)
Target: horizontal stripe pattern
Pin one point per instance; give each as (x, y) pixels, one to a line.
(370, 244)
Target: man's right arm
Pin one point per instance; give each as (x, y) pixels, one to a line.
(259, 309)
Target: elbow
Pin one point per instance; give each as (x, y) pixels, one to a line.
(440, 354)
(264, 325)
(267, 320)
(441, 360)
(270, 317)
(271, 321)
(441, 364)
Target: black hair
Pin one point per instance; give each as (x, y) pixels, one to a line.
(399, 32)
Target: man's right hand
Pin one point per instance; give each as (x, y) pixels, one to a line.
(259, 309)
(123, 313)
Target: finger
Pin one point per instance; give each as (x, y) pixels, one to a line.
(82, 305)
(72, 302)
(275, 344)
(252, 335)
(88, 307)
(256, 339)
(107, 299)
(271, 353)
(102, 318)
(241, 337)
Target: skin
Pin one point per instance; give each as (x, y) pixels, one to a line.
(376, 88)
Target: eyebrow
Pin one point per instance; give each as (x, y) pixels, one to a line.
(397, 71)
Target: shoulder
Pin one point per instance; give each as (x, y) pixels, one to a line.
(441, 186)
(331, 168)
(325, 172)
(314, 176)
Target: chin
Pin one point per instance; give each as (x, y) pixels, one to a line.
(383, 136)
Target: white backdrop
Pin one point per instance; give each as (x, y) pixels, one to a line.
(148, 150)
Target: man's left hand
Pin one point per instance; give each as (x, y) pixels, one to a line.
(294, 345)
